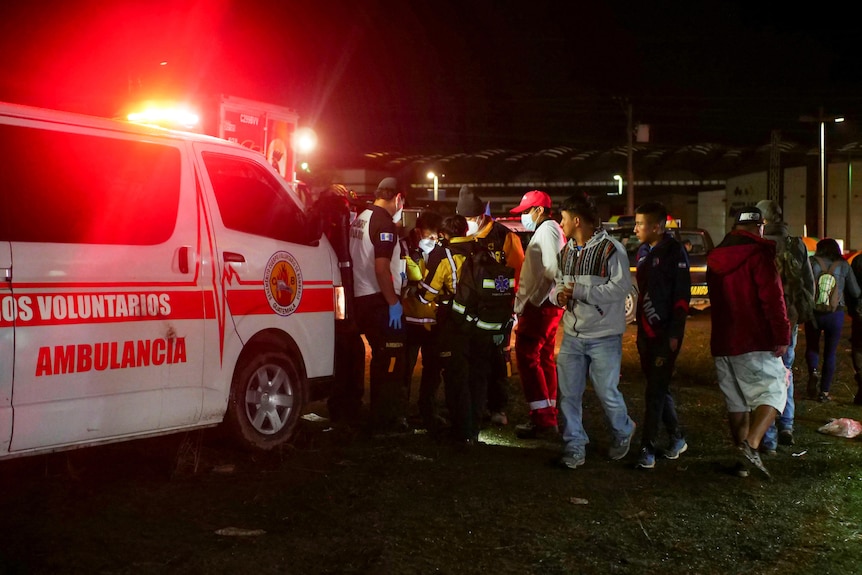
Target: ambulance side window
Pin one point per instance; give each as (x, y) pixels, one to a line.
(62, 187)
(251, 200)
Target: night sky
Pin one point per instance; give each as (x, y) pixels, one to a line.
(446, 76)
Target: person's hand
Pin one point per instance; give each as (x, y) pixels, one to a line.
(780, 351)
(395, 312)
(674, 344)
(565, 295)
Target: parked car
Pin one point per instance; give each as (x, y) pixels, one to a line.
(701, 244)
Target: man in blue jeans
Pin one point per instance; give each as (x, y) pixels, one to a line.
(776, 229)
(592, 283)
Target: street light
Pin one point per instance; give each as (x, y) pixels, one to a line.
(433, 176)
(821, 181)
(619, 180)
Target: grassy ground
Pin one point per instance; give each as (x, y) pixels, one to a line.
(342, 503)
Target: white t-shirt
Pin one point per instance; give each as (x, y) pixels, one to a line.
(373, 235)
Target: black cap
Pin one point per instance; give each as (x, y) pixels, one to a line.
(749, 217)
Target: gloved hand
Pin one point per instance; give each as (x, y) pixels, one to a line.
(395, 312)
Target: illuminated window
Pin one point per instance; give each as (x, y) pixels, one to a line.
(72, 188)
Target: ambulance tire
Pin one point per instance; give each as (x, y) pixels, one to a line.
(266, 400)
(631, 305)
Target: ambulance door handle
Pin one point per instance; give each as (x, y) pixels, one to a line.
(233, 258)
(7, 274)
(184, 260)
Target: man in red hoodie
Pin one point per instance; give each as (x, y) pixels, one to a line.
(750, 332)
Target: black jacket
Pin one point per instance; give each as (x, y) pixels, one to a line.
(664, 289)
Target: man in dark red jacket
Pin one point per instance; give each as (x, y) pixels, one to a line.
(750, 332)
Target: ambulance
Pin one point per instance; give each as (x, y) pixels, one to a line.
(153, 281)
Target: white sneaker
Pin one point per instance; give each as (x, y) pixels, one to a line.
(620, 448)
(573, 460)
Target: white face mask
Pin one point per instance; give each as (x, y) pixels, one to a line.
(426, 245)
(396, 217)
(528, 222)
(472, 227)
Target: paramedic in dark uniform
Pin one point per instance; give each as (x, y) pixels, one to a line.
(377, 279)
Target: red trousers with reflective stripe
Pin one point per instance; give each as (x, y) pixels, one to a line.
(535, 341)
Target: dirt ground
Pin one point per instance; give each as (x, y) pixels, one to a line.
(337, 502)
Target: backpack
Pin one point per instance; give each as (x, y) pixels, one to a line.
(826, 293)
(798, 299)
(485, 293)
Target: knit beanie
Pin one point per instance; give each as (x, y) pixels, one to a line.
(770, 209)
(469, 204)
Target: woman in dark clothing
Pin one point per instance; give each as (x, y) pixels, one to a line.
(827, 259)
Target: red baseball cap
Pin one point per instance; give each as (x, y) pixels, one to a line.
(531, 200)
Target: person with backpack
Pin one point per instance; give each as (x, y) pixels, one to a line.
(508, 249)
(481, 291)
(538, 316)
(832, 277)
(592, 283)
(797, 280)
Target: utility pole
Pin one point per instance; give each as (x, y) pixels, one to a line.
(630, 184)
(822, 120)
(774, 178)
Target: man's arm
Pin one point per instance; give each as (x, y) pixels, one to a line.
(807, 272)
(384, 280)
(681, 295)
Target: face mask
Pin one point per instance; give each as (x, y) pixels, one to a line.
(396, 217)
(472, 227)
(527, 222)
(426, 245)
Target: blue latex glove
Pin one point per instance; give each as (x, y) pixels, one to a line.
(395, 312)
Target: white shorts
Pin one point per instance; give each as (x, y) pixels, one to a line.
(751, 380)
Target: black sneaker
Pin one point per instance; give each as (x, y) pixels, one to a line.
(753, 457)
(785, 437)
(813, 384)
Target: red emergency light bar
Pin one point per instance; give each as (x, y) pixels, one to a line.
(166, 117)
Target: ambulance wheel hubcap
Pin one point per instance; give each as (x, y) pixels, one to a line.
(269, 399)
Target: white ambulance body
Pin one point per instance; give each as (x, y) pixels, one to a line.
(152, 281)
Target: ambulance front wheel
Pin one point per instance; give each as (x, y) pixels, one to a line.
(266, 401)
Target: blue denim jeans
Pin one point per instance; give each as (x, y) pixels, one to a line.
(600, 358)
(830, 325)
(784, 421)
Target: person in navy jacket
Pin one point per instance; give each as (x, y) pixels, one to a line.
(664, 290)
